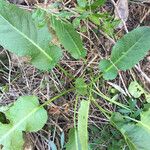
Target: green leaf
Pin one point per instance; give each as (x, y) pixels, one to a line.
(127, 52)
(81, 86)
(24, 115)
(95, 19)
(76, 22)
(69, 38)
(19, 34)
(147, 96)
(73, 142)
(96, 4)
(109, 71)
(83, 124)
(137, 135)
(135, 89)
(82, 3)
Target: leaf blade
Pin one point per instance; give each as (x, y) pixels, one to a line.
(83, 123)
(73, 142)
(69, 38)
(28, 39)
(137, 135)
(128, 51)
(81, 86)
(29, 107)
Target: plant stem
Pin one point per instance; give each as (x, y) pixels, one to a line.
(110, 100)
(67, 74)
(101, 109)
(56, 97)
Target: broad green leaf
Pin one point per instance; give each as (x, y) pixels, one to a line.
(82, 3)
(25, 115)
(81, 86)
(137, 135)
(83, 124)
(68, 37)
(19, 34)
(127, 52)
(12, 142)
(73, 142)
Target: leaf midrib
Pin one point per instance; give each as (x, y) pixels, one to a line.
(19, 123)
(114, 63)
(26, 37)
(124, 135)
(142, 125)
(30, 113)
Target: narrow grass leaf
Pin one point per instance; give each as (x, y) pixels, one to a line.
(52, 145)
(62, 139)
